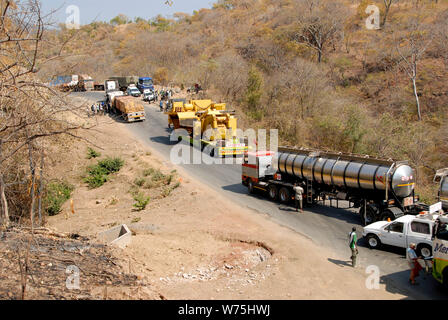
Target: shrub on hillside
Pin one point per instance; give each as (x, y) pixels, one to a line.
(57, 194)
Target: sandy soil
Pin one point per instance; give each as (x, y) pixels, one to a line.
(194, 243)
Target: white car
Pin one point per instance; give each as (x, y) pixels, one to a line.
(402, 232)
(133, 91)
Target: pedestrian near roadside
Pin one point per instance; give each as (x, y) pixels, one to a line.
(298, 198)
(93, 109)
(414, 265)
(161, 105)
(353, 246)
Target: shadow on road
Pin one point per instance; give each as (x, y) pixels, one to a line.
(398, 283)
(341, 263)
(345, 215)
(396, 250)
(240, 189)
(165, 140)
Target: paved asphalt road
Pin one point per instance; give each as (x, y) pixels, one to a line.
(326, 226)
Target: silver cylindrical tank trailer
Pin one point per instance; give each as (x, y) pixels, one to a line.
(354, 172)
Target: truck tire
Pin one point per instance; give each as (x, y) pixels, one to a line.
(373, 241)
(273, 192)
(371, 214)
(284, 195)
(386, 215)
(424, 250)
(250, 186)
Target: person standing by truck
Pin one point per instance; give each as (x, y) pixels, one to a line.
(353, 246)
(413, 263)
(298, 198)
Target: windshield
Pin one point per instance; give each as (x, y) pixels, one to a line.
(442, 233)
(146, 82)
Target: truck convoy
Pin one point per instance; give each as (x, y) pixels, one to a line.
(382, 188)
(130, 109)
(218, 127)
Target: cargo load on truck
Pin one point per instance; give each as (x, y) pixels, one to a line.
(131, 109)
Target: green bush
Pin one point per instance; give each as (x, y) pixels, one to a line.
(148, 172)
(97, 175)
(158, 176)
(111, 165)
(57, 194)
(139, 182)
(92, 153)
(141, 201)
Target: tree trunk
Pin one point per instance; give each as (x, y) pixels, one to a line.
(4, 203)
(33, 182)
(319, 55)
(417, 100)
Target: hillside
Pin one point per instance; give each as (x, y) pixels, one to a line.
(310, 68)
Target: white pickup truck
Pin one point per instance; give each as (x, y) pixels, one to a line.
(402, 232)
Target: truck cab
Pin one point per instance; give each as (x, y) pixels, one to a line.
(440, 245)
(145, 83)
(402, 232)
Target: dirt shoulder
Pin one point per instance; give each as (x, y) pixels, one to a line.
(190, 242)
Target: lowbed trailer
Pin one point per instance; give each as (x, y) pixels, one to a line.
(382, 189)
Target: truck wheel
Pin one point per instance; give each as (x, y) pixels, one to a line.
(273, 192)
(284, 195)
(250, 186)
(371, 214)
(386, 215)
(373, 241)
(424, 250)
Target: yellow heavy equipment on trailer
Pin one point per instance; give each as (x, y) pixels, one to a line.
(216, 125)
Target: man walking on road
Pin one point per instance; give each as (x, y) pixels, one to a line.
(353, 240)
(413, 263)
(298, 199)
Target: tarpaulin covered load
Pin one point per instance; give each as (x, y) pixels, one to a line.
(128, 104)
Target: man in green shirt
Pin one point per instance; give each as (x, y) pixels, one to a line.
(353, 240)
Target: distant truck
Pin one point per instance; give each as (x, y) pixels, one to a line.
(145, 83)
(85, 83)
(130, 109)
(125, 82)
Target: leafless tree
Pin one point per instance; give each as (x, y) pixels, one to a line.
(410, 47)
(387, 6)
(320, 24)
(31, 113)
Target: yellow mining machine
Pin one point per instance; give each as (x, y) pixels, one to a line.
(217, 126)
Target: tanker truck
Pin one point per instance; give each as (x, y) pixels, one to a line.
(382, 189)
